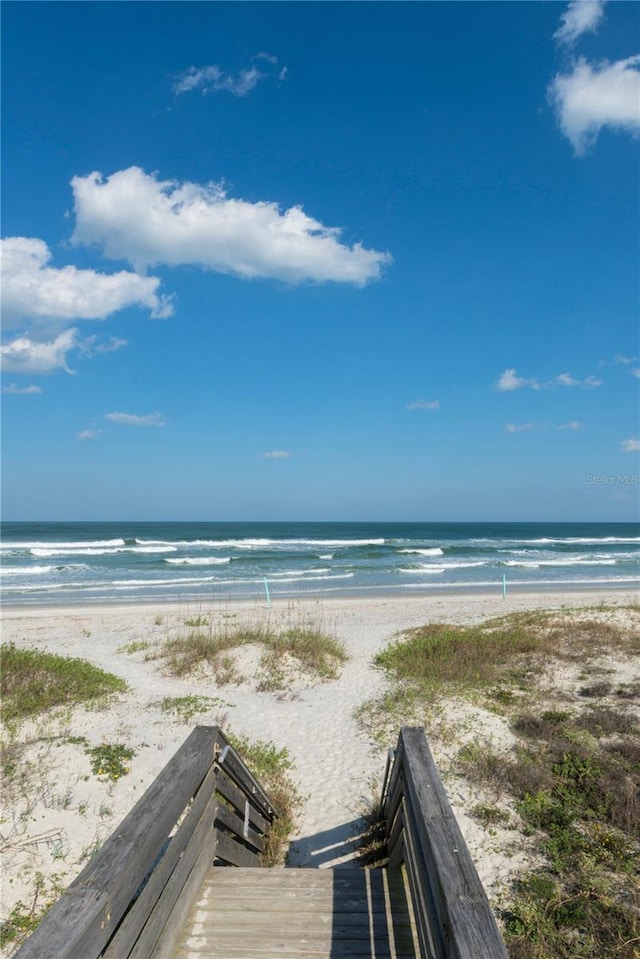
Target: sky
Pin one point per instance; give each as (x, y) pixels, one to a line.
(320, 261)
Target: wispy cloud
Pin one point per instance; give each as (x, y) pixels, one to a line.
(93, 346)
(573, 425)
(32, 289)
(133, 419)
(595, 96)
(424, 405)
(581, 16)
(523, 427)
(632, 445)
(20, 390)
(635, 372)
(135, 216)
(88, 434)
(25, 355)
(509, 380)
(211, 79)
(276, 455)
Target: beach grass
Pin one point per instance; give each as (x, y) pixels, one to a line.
(33, 681)
(271, 766)
(569, 784)
(304, 647)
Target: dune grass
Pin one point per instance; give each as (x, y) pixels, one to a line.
(572, 780)
(303, 646)
(33, 681)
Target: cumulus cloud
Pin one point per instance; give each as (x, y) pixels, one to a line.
(25, 355)
(509, 380)
(424, 405)
(20, 390)
(276, 455)
(88, 434)
(133, 419)
(631, 445)
(211, 79)
(33, 289)
(595, 96)
(581, 16)
(135, 216)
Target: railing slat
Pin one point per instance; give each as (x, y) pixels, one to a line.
(233, 853)
(450, 903)
(232, 794)
(83, 919)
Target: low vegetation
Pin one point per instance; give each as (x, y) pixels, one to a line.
(184, 708)
(286, 652)
(271, 767)
(569, 784)
(33, 681)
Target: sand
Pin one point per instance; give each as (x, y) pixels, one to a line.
(66, 812)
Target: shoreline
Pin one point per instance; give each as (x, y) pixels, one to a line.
(364, 595)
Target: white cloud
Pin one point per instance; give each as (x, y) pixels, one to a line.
(509, 380)
(25, 355)
(631, 445)
(573, 425)
(592, 97)
(88, 434)
(523, 427)
(132, 419)
(581, 16)
(93, 346)
(424, 405)
(566, 379)
(20, 390)
(635, 372)
(33, 289)
(276, 455)
(211, 79)
(135, 216)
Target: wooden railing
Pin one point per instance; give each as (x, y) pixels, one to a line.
(453, 916)
(205, 808)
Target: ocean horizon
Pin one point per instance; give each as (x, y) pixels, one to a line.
(69, 563)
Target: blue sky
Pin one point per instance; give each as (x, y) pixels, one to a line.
(320, 260)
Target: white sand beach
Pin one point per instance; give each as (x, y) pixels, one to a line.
(66, 812)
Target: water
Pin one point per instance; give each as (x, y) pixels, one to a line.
(65, 563)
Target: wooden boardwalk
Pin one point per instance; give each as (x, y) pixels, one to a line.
(295, 913)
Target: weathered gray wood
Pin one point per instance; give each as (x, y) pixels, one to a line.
(80, 924)
(227, 788)
(249, 785)
(203, 806)
(230, 851)
(232, 821)
(297, 914)
(451, 906)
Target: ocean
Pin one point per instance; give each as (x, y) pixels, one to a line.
(72, 563)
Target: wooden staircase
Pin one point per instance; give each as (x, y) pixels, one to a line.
(300, 914)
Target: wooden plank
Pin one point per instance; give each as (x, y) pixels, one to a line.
(80, 924)
(229, 791)
(204, 805)
(467, 922)
(248, 784)
(230, 851)
(228, 818)
(202, 838)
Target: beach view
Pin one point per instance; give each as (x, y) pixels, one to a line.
(320, 534)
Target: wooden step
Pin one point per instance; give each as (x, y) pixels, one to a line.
(250, 913)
